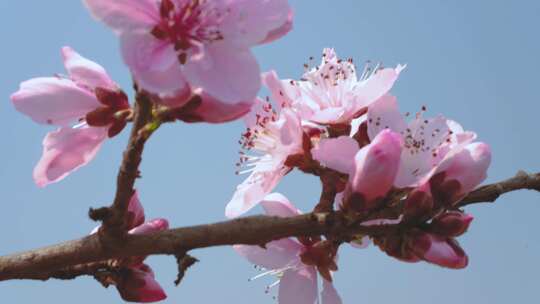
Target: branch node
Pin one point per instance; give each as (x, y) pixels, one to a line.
(100, 214)
(185, 261)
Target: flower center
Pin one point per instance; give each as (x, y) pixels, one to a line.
(188, 25)
(259, 140)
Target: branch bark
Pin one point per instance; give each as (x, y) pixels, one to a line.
(113, 221)
(44, 263)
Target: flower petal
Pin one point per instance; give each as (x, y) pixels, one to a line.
(384, 114)
(66, 150)
(230, 75)
(125, 15)
(298, 286)
(153, 63)
(278, 254)
(468, 167)
(86, 72)
(376, 86)
(337, 153)
(280, 31)
(135, 211)
(251, 22)
(253, 190)
(52, 100)
(276, 204)
(213, 110)
(329, 294)
(152, 226)
(140, 286)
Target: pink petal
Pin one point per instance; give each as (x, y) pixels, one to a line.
(152, 226)
(140, 286)
(376, 166)
(337, 153)
(135, 211)
(329, 294)
(66, 150)
(53, 100)
(231, 75)
(376, 86)
(153, 62)
(283, 93)
(383, 114)
(86, 72)
(469, 167)
(253, 190)
(213, 110)
(440, 251)
(298, 286)
(291, 132)
(276, 204)
(125, 15)
(277, 254)
(417, 167)
(250, 22)
(280, 31)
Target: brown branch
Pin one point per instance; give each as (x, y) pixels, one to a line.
(490, 193)
(253, 230)
(113, 220)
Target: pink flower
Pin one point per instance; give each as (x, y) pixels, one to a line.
(171, 45)
(294, 262)
(87, 98)
(332, 93)
(431, 146)
(372, 169)
(271, 137)
(136, 282)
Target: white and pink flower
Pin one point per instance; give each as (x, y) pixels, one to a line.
(174, 47)
(87, 106)
(332, 93)
(271, 137)
(435, 150)
(294, 262)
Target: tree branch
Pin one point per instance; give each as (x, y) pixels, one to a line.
(113, 222)
(255, 230)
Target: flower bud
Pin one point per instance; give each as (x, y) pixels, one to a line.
(441, 251)
(451, 224)
(418, 205)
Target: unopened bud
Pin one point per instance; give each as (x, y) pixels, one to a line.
(418, 205)
(451, 224)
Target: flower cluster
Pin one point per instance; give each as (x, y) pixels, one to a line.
(347, 130)
(191, 61)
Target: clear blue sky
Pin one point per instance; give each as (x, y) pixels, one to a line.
(475, 61)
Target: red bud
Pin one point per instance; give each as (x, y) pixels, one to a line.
(451, 224)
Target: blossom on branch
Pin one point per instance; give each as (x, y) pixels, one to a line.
(87, 105)
(271, 137)
(295, 262)
(333, 93)
(178, 47)
(135, 280)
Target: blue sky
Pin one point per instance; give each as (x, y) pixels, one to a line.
(474, 61)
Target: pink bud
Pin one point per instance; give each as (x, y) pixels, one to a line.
(451, 224)
(376, 167)
(441, 251)
(139, 285)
